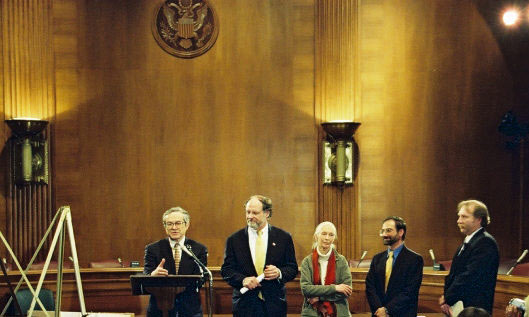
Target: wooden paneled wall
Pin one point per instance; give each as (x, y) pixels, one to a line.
(433, 87)
(28, 90)
(136, 130)
(140, 131)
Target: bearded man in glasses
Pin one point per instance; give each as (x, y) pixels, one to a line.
(395, 274)
(169, 257)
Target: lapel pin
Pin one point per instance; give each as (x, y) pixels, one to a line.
(274, 244)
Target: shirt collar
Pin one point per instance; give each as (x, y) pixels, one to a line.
(265, 229)
(397, 250)
(173, 242)
(470, 236)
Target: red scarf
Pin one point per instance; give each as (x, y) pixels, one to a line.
(324, 308)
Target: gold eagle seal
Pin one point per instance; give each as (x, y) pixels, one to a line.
(185, 28)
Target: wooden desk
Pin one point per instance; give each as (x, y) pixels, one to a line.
(109, 290)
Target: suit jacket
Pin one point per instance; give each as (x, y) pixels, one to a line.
(238, 265)
(473, 274)
(325, 292)
(402, 296)
(187, 303)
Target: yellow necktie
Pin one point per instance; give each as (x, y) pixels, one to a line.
(260, 253)
(177, 254)
(389, 266)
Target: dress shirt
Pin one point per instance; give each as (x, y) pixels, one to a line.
(467, 239)
(396, 252)
(252, 239)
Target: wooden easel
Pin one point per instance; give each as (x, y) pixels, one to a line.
(65, 222)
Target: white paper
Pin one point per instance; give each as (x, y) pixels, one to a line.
(457, 308)
(245, 289)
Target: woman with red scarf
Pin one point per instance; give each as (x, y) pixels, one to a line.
(325, 277)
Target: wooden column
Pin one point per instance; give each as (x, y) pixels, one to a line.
(335, 98)
(28, 91)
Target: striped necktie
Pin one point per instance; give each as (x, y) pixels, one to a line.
(177, 252)
(389, 267)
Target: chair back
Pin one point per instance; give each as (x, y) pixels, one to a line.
(24, 298)
(521, 269)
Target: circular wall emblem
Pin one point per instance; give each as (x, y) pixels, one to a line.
(185, 28)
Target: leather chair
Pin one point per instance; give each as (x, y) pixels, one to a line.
(445, 265)
(53, 265)
(521, 269)
(24, 298)
(106, 263)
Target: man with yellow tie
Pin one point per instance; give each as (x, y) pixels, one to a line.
(395, 275)
(258, 260)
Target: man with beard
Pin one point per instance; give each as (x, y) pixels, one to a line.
(395, 275)
(262, 259)
(474, 269)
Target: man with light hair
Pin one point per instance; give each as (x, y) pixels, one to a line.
(168, 257)
(474, 269)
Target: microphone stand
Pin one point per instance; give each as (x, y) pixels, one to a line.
(202, 267)
(361, 258)
(517, 261)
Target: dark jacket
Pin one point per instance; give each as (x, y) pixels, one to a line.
(238, 265)
(187, 303)
(473, 274)
(402, 296)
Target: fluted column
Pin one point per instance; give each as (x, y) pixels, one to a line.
(28, 91)
(336, 97)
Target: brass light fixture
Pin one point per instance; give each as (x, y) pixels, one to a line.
(29, 151)
(338, 156)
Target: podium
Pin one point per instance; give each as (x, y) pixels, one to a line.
(163, 288)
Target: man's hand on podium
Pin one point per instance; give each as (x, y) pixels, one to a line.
(160, 271)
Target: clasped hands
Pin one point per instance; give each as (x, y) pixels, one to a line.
(340, 288)
(271, 272)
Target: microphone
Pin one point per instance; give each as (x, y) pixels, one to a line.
(197, 261)
(432, 255)
(364, 253)
(436, 267)
(524, 253)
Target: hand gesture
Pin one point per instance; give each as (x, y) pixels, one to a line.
(160, 271)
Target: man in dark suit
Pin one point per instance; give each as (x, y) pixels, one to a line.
(167, 256)
(395, 275)
(472, 277)
(259, 250)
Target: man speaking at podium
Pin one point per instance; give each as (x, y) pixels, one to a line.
(168, 256)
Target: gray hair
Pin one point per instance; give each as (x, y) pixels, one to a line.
(318, 230)
(181, 210)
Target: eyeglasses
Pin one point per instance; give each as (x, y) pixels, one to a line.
(175, 224)
(387, 230)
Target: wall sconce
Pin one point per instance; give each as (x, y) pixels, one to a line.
(338, 156)
(29, 151)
